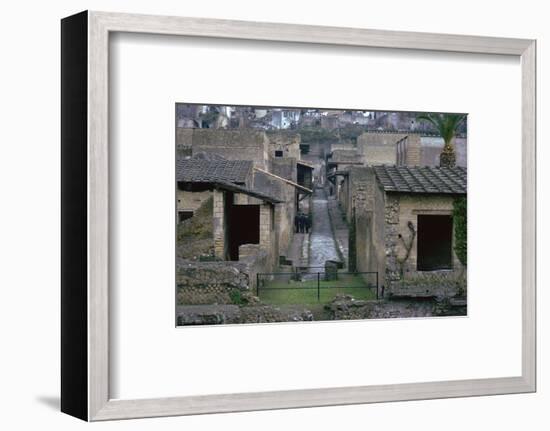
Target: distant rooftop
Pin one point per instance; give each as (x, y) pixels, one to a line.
(198, 170)
(422, 179)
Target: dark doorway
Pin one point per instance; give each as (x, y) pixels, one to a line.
(435, 241)
(243, 228)
(184, 215)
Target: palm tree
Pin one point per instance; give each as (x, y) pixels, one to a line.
(446, 125)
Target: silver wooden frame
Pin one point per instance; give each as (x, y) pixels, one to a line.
(99, 405)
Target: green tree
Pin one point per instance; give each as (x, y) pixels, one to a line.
(446, 125)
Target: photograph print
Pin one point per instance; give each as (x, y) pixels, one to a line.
(306, 214)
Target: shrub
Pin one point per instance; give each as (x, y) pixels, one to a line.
(236, 297)
(460, 216)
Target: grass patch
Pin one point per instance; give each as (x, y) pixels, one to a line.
(286, 292)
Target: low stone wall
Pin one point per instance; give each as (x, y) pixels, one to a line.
(232, 314)
(215, 282)
(441, 284)
(345, 307)
(210, 282)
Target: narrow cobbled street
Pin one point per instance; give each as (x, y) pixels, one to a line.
(322, 245)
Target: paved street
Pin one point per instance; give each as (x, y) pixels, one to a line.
(322, 245)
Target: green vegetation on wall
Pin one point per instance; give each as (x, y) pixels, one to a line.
(200, 225)
(316, 135)
(460, 216)
(195, 236)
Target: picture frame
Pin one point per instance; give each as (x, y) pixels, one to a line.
(85, 215)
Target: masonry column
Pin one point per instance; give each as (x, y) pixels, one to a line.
(219, 225)
(267, 237)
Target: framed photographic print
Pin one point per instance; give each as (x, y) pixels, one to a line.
(261, 216)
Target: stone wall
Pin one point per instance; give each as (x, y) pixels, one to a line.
(191, 201)
(366, 213)
(380, 148)
(269, 241)
(345, 144)
(383, 237)
(233, 314)
(285, 167)
(408, 151)
(345, 307)
(286, 141)
(210, 282)
(284, 212)
(213, 282)
(184, 139)
(441, 284)
(235, 144)
(219, 222)
(401, 225)
(195, 239)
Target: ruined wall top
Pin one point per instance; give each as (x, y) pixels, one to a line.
(234, 144)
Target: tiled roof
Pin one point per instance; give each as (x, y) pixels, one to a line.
(207, 171)
(422, 179)
(306, 164)
(225, 185)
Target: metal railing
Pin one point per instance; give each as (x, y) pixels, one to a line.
(282, 287)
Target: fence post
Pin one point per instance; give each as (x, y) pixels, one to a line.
(258, 284)
(377, 285)
(318, 287)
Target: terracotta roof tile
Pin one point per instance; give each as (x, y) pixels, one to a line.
(206, 171)
(422, 179)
